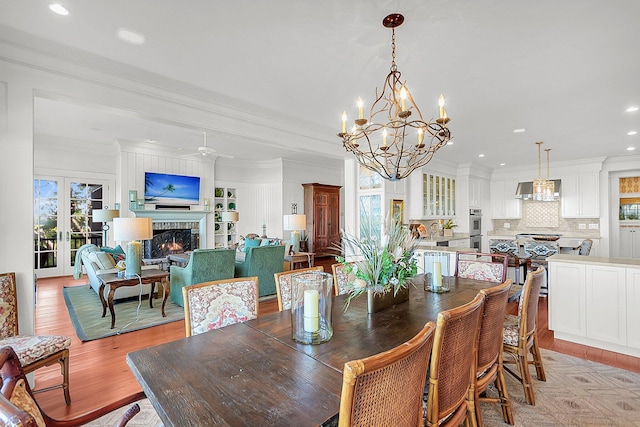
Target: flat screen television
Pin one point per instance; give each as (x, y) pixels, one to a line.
(166, 189)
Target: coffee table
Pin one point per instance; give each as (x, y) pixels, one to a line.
(146, 276)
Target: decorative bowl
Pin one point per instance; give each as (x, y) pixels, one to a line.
(545, 238)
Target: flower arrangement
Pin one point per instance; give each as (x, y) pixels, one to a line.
(383, 264)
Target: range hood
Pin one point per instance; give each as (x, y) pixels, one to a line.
(525, 190)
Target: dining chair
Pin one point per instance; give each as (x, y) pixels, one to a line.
(341, 278)
(213, 305)
(481, 266)
(34, 351)
(511, 249)
(283, 285)
(585, 247)
(387, 388)
(453, 363)
(521, 337)
(489, 367)
(18, 408)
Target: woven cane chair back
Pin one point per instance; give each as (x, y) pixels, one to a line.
(387, 388)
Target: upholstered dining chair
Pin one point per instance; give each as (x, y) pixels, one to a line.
(521, 336)
(283, 285)
(34, 351)
(387, 388)
(341, 278)
(585, 247)
(213, 305)
(481, 266)
(18, 408)
(453, 363)
(489, 367)
(511, 249)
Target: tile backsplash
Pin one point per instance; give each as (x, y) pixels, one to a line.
(544, 217)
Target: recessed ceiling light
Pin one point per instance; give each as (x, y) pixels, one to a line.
(632, 109)
(480, 155)
(59, 9)
(130, 36)
(631, 148)
(519, 130)
(450, 143)
(632, 132)
(502, 164)
(151, 140)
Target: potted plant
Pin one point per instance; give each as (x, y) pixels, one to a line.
(448, 227)
(382, 265)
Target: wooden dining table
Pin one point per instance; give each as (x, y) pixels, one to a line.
(253, 373)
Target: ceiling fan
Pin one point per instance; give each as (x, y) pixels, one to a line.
(205, 151)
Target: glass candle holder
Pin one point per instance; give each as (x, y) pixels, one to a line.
(437, 269)
(311, 300)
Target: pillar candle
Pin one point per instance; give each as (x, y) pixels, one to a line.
(311, 310)
(437, 275)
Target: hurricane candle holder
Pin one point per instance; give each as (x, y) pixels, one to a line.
(311, 300)
(437, 271)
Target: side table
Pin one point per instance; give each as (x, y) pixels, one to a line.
(299, 259)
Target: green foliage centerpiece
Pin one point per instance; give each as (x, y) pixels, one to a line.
(382, 265)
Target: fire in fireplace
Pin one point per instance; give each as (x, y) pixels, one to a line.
(167, 242)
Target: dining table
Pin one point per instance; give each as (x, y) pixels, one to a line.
(253, 373)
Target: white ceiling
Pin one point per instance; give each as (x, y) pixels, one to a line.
(564, 70)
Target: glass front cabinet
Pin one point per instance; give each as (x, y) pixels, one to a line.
(438, 196)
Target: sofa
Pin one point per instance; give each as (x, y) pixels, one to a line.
(97, 262)
(264, 262)
(205, 265)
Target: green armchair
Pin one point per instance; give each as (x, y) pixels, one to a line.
(204, 265)
(264, 262)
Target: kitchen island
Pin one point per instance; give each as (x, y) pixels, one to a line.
(594, 301)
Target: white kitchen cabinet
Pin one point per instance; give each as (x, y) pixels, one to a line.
(504, 204)
(567, 298)
(432, 196)
(606, 303)
(630, 242)
(633, 302)
(475, 193)
(580, 196)
(595, 302)
(459, 243)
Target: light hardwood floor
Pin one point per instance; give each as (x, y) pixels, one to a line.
(99, 372)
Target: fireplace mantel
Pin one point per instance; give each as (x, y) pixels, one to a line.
(178, 216)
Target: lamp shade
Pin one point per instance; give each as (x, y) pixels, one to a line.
(105, 215)
(230, 216)
(295, 222)
(128, 229)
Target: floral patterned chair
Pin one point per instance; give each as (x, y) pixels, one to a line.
(33, 351)
(213, 305)
(283, 285)
(341, 279)
(480, 266)
(19, 409)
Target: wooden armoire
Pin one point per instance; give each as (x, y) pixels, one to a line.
(322, 208)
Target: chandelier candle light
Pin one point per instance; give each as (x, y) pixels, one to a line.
(378, 142)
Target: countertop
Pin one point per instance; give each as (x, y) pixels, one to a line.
(563, 234)
(455, 236)
(596, 260)
(445, 249)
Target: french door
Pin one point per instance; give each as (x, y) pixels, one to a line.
(62, 221)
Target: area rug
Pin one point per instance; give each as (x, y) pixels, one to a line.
(577, 393)
(85, 310)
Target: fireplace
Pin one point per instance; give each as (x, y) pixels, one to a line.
(171, 238)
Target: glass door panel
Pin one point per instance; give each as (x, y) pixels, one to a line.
(47, 234)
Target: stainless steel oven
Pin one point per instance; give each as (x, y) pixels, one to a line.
(475, 229)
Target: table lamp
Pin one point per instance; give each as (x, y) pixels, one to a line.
(132, 230)
(104, 216)
(295, 223)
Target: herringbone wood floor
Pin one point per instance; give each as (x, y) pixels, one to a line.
(99, 372)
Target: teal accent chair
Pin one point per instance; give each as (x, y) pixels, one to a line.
(264, 262)
(205, 265)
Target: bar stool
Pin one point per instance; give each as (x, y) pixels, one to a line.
(511, 249)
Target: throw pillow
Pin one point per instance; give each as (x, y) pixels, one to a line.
(23, 400)
(251, 243)
(103, 260)
(117, 253)
(265, 242)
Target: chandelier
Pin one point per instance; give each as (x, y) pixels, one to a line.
(388, 142)
(543, 189)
